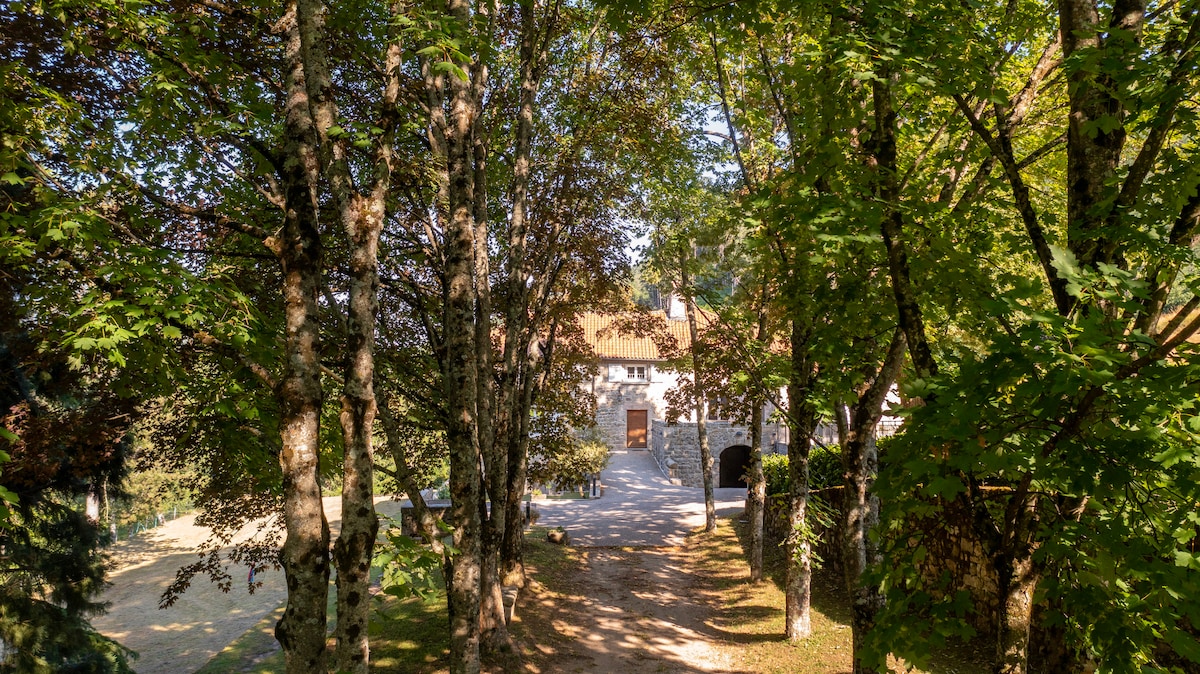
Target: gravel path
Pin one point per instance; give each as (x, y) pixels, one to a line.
(639, 507)
(639, 610)
(180, 639)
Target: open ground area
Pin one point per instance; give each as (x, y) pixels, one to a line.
(205, 619)
(634, 592)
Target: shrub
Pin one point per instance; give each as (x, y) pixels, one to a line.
(571, 461)
(775, 468)
(824, 470)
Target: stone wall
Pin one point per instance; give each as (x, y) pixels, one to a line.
(615, 399)
(775, 521)
(676, 448)
(951, 553)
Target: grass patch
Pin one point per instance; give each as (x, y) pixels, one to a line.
(753, 613)
(750, 616)
(255, 652)
(745, 620)
(407, 635)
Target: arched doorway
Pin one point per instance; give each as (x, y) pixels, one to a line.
(734, 462)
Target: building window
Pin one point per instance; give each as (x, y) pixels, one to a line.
(720, 409)
(635, 373)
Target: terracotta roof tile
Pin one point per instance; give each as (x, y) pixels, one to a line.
(615, 337)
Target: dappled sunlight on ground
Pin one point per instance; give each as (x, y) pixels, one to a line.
(629, 611)
(639, 507)
(180, 639)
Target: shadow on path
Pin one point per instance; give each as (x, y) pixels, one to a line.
(639, 507)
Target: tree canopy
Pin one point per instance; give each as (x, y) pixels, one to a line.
(283, 237)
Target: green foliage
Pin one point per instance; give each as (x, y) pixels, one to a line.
(819, 517)
(824, 470)
(570, 461)
(151, 490)
(69, 441)
(424, 452)
(48, 590)
(775, 468)
(7, 498)
(410, 568)
(1129, 470)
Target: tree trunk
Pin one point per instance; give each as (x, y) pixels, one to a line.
(512, 562)
(1018, 580)
(362, 218)
(356, 542)
(1094, 148)
(106, 513)
(305, 553)
(756, 494)
(699, 395)
(861, 514)
(802, 417)
(464, 575)
(494, 636)
(860, 507)
(495, 640)
(516, 398)
(883, 158)
(95, 496)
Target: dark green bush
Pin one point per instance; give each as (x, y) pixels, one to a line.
(824, 470)
(775, 468)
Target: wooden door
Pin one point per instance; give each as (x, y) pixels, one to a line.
(635, 428)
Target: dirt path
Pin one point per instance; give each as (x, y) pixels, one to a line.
(629, 609)
(180, 639)
(637, 610)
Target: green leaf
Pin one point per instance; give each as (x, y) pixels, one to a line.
(1187, 560)
(85, 343)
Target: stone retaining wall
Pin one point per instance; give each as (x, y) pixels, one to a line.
(676, 448)
(951, 551)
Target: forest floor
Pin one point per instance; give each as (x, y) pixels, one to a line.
(686, 609)
(633, 593)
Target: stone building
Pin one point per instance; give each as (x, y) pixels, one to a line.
(631, 408)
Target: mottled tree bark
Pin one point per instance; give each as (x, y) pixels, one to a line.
(361, 214)
(883, 162)
(699, 394)
(460, 370)
(355, 544)
(516, 394)
(305, 554)
(860, 507)
(802, 417)
(1094, 148)
(756, 493)
(1018, 578)
(535, 365)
